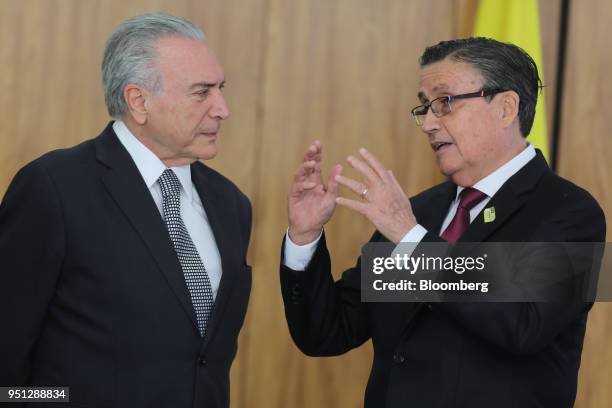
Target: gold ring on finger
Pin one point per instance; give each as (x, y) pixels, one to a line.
(363, 193)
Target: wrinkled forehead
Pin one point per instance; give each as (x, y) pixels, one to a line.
(189, 59)
(448, 78)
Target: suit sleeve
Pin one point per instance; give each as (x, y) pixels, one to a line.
(325, 318)
(525, 328)
(246, 213)
(31, 254)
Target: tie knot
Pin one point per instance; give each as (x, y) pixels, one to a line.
(470, 197)
(169, 183)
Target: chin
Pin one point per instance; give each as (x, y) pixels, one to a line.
(208, 153)
(454, 174)
(203, 148)
(463, 178)
(446, 168)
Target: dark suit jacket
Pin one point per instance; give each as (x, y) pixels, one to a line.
(92, 293)
(459, 354)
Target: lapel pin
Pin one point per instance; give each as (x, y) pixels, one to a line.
(489, 214)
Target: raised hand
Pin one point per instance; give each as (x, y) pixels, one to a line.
(310, 204)
(383, 201)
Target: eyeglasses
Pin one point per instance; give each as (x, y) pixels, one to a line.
(442, 106)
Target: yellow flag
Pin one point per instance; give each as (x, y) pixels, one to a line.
(517, 22)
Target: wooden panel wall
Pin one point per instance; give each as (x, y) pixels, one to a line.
(585, 152)
(342, 71)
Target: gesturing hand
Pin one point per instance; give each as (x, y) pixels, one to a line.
(383, 201)
(310, 204)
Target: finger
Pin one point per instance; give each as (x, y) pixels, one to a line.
(318, 167)
(314, 151)
(400, 189)
(394, 181)
(374, 163)
(353, 185)
(332, 184)
(359, 206)
(303, 186)
(366, 171)
(304, 170)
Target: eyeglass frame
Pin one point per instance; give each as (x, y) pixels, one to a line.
(479, 94)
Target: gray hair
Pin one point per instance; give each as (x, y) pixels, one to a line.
(130, 55)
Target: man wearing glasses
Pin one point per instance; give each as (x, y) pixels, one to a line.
(478, 99)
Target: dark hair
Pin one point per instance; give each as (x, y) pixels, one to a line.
(502, 65)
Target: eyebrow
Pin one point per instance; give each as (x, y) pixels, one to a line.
(205, 84)
(422, 97)
(438, 88)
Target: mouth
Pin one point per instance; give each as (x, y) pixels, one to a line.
(440, 146)
(210, 133)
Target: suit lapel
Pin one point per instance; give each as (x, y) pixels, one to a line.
(432, 213)
(125, 184)
(508, 200)
(506, 203)
(223, 224)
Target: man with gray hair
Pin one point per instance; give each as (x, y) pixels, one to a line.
(124, 273)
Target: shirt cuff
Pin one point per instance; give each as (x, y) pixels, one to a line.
(416, 234)
(297, 256)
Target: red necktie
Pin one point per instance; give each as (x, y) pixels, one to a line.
(469, 199)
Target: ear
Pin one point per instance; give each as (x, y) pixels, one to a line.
(508, 107)
(136, 100)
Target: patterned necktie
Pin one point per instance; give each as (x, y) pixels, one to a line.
(195, 274)
(469, 199)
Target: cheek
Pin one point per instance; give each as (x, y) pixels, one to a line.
(186, 119)
(461, 137)
(195, 114)
(471, 137)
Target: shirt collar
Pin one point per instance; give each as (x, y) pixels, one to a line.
(494, 181)
(148, 164)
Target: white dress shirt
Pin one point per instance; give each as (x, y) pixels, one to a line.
(192, 211)
(298, 256)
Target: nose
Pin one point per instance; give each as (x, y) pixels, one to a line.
(219, 109)
(431, 123)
